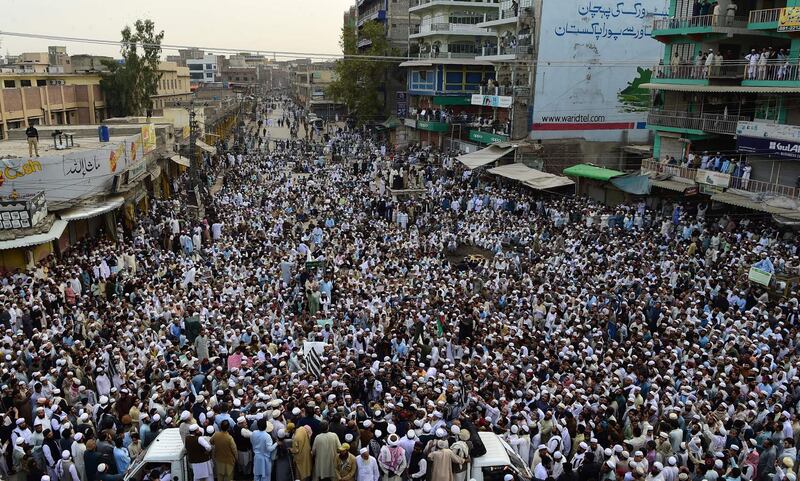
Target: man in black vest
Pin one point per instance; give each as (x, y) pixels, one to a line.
(244, 449)
(198, 453)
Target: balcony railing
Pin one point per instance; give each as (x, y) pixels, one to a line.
(747, 185)
(463, 28)
(509, 13)
(769, 15)
(495, 50)
(773, 71)
(699, 21)
(417, 3)
(673, 170)
(715, 123)
(446, 55)
(727, 69)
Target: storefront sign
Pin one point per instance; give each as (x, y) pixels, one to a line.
(789, 20)
(768, 147)
(711, 177)
(73, 175)
(148, 138)
(492, 101)
(690, 191)
(486, 137)
(768, 131)
(410, 123)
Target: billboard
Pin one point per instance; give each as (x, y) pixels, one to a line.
(491, 100)
(73, 175)
(789, 20)
(593, 57)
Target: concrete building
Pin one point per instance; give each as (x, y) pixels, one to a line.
(446, 71)
(391, 14)
(174, 86)
(49, 99)
(83, 63)
(203, 70)
(309, 83)
(33, 62)
(350, 17)
(742, 103)
(58, 57)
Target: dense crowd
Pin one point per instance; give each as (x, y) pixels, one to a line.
(600, 344)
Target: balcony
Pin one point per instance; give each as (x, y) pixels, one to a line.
(374, 13)
(503, 17)
(764, 19)
(363, 42)
(750, 185)
(451, 55)
(418, 5)
(699, 24)
(728, 73)
(776, 74)
(429, 125)
(693, 122)
(500, 54)
(449, 28)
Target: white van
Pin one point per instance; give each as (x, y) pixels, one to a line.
(165, 452)
(500, 459)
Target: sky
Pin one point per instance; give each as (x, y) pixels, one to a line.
(311, 26)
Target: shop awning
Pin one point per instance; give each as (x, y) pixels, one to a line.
(672, 185)
(632, 183)
(549, 182)
(485, 156)
(749, 203)
(180, 160)
(392, 122)
(155, 172)
(593, 172)
(93, 209)
(206, 147)
(33, 240)
(520, 172)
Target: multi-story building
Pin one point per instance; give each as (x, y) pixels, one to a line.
(58, 57)
(729, 85)
(203, 70)
(309, 83)
(174, 87)
(446, 72)
(83, 63)
(350, 17)
(28, 98)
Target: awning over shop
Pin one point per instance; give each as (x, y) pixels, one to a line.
(549, 182)
(633, 184)
(533, 178)
(155, 172)
(392, 123)
(180, 160)
(485, 156)
(672, 185)
(206, 147)
(593, 172)
(92, 210)
(520, 172)
(749, 203)
(33, 240)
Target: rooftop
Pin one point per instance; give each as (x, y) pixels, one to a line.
(19, 147)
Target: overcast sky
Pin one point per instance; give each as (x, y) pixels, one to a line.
(274, 25)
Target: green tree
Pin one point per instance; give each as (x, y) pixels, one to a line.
(130, 85)
(359, 80)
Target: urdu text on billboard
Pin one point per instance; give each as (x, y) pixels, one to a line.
(594, 55)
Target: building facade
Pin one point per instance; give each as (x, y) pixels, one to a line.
(174, 87)
(728, 86)
(309, 85)
(203, 70)
(446, 72)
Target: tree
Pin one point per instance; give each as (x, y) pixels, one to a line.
(129, 86)
(359, 81)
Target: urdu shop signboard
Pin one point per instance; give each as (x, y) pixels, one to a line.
(73, 175)
(789, 19)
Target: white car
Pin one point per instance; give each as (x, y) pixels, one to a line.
(166, 450)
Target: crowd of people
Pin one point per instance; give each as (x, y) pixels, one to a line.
(598, 343)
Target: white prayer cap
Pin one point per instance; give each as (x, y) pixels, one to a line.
(65, 454)
(102, 467)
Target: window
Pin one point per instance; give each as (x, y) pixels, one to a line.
(9, 84)
(209, 75)
(394, 25)
(209, 66)
(195, 66)
(196, 75)
(41, 82)
(24, 83)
